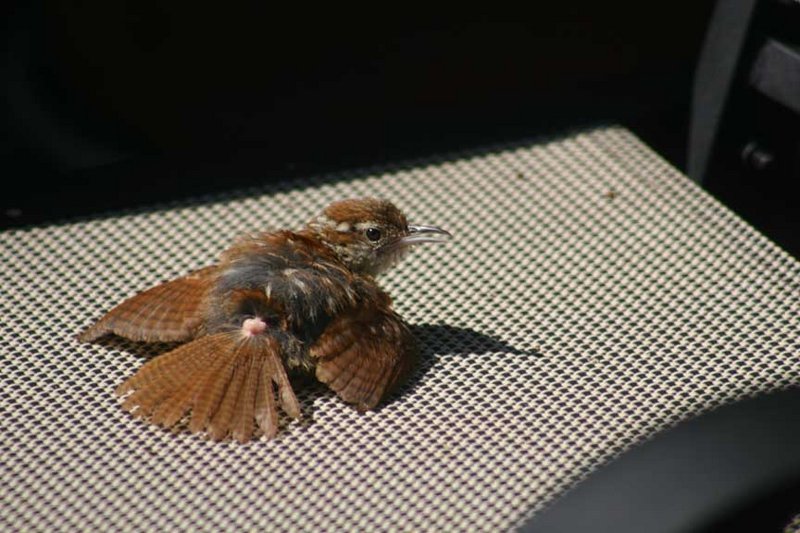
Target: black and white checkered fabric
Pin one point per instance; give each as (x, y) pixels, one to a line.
(593, 295)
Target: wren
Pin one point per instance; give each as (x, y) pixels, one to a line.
(275, 303)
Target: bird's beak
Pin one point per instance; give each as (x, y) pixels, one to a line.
(418, 234)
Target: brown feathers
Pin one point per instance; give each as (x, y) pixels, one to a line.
(306, 300)
(224, 381)
(364, 355)
(172, 311)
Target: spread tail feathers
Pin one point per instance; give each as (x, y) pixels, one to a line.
(225, 380)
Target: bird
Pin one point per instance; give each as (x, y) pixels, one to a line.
(275, 304)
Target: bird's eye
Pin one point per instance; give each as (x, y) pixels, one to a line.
(373, 234)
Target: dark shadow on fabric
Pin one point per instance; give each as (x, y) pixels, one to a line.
(444, 339)
(437, 341)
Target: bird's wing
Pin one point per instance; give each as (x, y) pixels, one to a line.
(364, 353)
(172, 311)
(226, 381)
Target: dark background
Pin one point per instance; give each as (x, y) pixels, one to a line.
(124, 104)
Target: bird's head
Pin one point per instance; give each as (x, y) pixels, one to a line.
(370, 235)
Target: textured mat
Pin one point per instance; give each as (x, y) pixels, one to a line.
(593, 296)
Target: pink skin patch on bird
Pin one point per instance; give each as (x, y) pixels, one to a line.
(253, 326)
